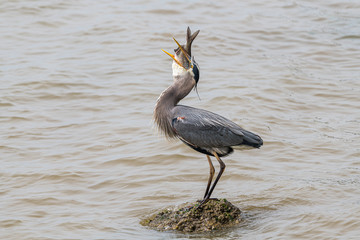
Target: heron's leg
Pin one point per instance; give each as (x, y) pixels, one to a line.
(212, 171)
(222, 168)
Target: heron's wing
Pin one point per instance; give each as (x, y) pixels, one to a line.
(202, 128)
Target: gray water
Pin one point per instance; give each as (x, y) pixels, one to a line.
(81, 158)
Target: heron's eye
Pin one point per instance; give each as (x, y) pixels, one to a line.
(196, 71)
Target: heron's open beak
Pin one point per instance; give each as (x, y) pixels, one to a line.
(183, 51)
(173, 57)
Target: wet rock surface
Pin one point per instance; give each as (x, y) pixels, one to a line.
(189, 217)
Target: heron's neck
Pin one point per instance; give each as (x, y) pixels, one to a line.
(168, 99)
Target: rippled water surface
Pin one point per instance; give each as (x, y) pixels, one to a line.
(81, 159)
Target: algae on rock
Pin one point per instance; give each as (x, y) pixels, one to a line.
(214, 215)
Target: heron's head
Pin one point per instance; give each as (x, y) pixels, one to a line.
(183, 63)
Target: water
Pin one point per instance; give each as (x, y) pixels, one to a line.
(81, 159)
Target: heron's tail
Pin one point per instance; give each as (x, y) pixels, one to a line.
(251, 139)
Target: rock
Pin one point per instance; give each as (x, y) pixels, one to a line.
(214, 215)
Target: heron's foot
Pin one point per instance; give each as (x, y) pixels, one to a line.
(204, 201)
(215, 199)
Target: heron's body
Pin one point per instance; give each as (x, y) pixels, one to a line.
(204, 131)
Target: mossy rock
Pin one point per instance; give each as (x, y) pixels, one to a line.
(214, 215)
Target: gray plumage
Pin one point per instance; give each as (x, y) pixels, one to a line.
(207, 132)
(204, 131)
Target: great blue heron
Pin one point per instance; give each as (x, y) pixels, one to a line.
(204, 131)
